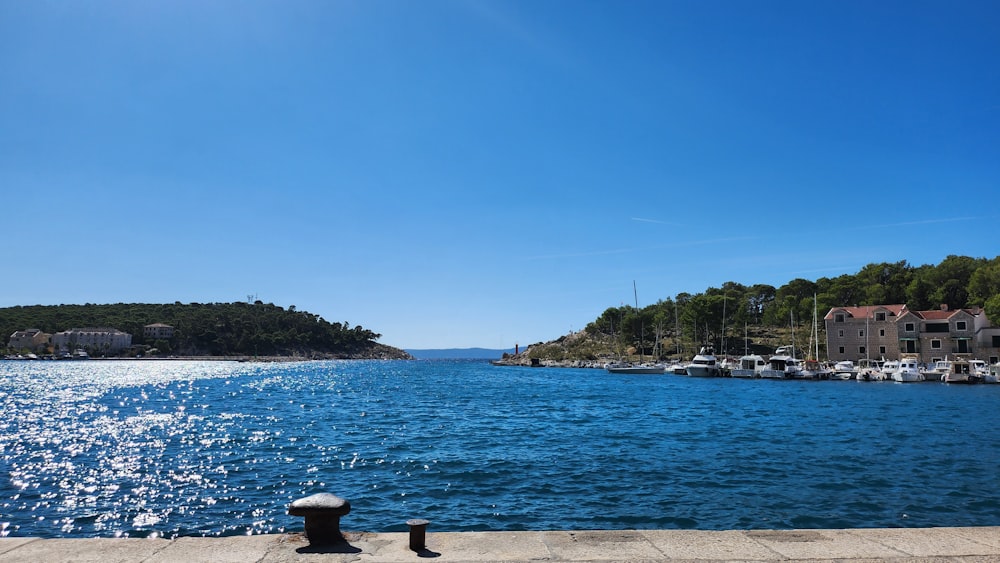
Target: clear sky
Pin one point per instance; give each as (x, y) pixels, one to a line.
(485, 173)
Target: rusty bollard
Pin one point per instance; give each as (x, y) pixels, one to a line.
(322, 512)
(418, 533)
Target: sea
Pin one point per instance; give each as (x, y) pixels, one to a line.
(188, 448)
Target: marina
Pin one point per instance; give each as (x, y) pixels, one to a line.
(176, 449)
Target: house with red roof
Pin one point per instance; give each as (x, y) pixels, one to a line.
(892, 331)
(856, 333)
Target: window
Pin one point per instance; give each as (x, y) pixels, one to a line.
(880, 316)
(840, 333)
(908, 327)
(841, 349)
(861, 333)
(994, 360)
(935, 344)
(881, 332)
(861, 350)
(963, 346)
(936, 327)
(960, 325)
(996, 342)
(881, 350)
(838, 318)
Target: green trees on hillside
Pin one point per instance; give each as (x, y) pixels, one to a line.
(718, 313)
(220, 329)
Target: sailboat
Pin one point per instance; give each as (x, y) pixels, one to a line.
(641, 368)
(812, 368)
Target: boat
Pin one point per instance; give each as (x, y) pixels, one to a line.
(641, 367)
(994, 374)
(749, 366)
(961, 372)
(889, 368)
(637, 369)
(783, 364)
(677, 368)
(937, 371)
(844, 369)
(908, 371)
(980, 368)
(812, 369)
(869, 370)
(704, 364)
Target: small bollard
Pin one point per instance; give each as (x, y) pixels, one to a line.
(418, 533)
(322, 512)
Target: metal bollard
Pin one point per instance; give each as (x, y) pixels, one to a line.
(418, 533)
(322, 513)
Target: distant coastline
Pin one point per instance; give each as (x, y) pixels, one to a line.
(458, 353)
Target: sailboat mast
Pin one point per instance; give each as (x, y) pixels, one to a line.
(642, 328)
(791, 322)
(816, 326)
(723, 347)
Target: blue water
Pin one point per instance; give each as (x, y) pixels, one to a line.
(115, 448)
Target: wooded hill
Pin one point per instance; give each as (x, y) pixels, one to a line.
(213, 329)
(677, 326)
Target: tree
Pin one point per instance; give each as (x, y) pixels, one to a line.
(992, 309)
(758, 298)
(951, 279)
(984, 283)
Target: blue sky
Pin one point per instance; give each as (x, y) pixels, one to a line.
(485, 173)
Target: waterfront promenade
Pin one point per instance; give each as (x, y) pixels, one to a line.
(979, 544)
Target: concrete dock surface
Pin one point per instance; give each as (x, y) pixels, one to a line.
(977, 544)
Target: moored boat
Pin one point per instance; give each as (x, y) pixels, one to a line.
(908, 371)
(961, 372)
(749, 366)
(889, 369)
(636, 368)
(844, 369)
(937, 371)
(869, 370)
(704, 364)
(782, 365)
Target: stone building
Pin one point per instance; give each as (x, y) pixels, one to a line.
(29, 339)
(158, 331)
(99, 340)
(892, 331)
(855, 333)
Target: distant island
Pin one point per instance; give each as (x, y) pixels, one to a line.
(458, 353)
(239, 329)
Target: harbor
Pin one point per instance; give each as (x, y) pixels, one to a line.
(973, 545)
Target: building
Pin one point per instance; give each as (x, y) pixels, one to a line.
(96, 340)
(30, 339)
(892, 331)
(158, 331)
(855, 333)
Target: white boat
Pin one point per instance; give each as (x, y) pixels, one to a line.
(869, 370)
(704, 364)
(677, 368)
(961, 372)
(782, 365)
(994, 374)
(980, 368)
(844, 369)
(635, 368)
(749, 366)
(938, 370)
(889, 369)
(908, 371)
(642, 367)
